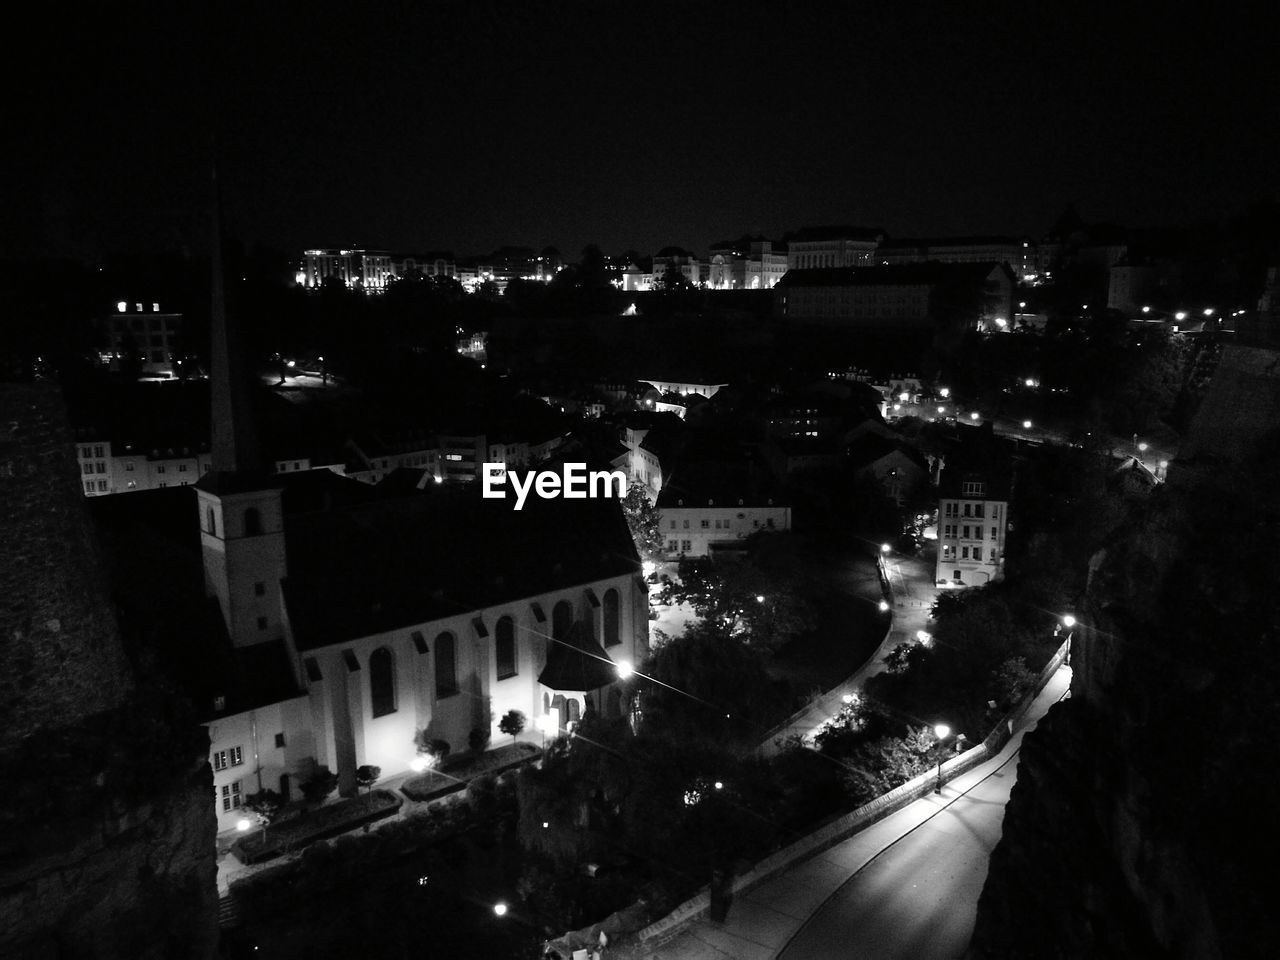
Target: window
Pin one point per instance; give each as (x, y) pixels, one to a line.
(977, 553)
(978, 509)
(252, 522)
(129, 466)
(686, 525)
(262, 623)
(672, 545)
(965, 532)
(279, 741)
(612, 635)
(219, 760)
(88, 469)
(964, 553)
(973, 488)
(88, 487)
(686, 545)
(967, 508)
(182, 468)
(259, 589)
(561, 620)
(231, 796)
(237, 756)
(102, 468)
(210, 524)
(993, 533)
(382, 682)
(706, 524)
(504, 641)
(102, 486)
(673, 524)
(446, 666)
(97, 451)
(160, 468)
(956, 575)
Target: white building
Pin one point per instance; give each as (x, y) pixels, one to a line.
(698, 526)
(973, 516)
(369, 271)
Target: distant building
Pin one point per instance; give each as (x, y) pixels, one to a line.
(973, 514)
(433, 264)
(685, 387)
(899, 467)
(750, 263)
(921, 296)
(366, 271)
(832, 246)
(139, 334)
(650, 439)
(674, 258)
(108, 467)
(699, 524)
(1019, 254)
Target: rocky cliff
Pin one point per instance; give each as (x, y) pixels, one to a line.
(106, 825)
(1141, 823)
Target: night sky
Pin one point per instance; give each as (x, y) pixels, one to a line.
(468, 126)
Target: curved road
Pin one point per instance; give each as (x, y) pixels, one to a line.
(918, 898)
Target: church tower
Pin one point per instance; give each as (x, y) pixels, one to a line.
(241, 518)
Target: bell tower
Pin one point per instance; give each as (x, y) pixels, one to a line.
(241, 517)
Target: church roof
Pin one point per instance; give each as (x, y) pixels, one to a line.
(577, 662)
(395, 563)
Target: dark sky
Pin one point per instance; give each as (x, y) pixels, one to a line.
(467, 126)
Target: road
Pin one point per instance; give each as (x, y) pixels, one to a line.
(905, 887)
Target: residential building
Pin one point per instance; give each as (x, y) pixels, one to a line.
(108, 466)
(700, 523)
(140, 336)
(973, 513)
(896, 465)
(650, 439)
(674, 258)
(750, 263)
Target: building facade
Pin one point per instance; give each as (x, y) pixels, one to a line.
(367, 271)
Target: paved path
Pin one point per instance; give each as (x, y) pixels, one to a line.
(912, 581)
(904, 887)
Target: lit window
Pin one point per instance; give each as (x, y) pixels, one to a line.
(219, 760)
(231, 796)
(382, 682)
(505, 647)
(237, 756)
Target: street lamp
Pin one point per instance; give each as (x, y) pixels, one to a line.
(884, 548)
(941, 731)
(548, 724)
(1026, 424)
(500, 909)
(884, 606)
(625, 669)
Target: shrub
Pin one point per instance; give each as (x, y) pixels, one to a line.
(478, 739)
(512, 723)
(322, 783)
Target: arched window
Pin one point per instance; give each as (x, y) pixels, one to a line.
(210, 522)
(382, 682)
(611, 637)
(561, 619)
(446, 666)
(504, 639)
(575, 711)
(252, 522)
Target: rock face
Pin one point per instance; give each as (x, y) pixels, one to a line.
(1140, 821)
(106, 829)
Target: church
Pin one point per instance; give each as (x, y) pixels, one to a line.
(317, 621)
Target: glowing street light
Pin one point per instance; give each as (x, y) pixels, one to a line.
(1208, 311)
(1030, 382)
(973, 416)
(121, 306)
(1026, 424)
(625, 669)
(942, 409)
(242, 824)
(1146, 309)
(944, 392)
(500, 909)
(718, 785)
(1068, 621)
(925, 637)
(848, 698)
(759, 598)
(884, 548)
(1180, 315)
(883, 606)
(904, 397)
(420, 764)
(941, 731)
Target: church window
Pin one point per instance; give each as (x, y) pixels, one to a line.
(505, 646)
(561, 619)
(446, 666)
(382, 682)
(611, 636)
(231, 797)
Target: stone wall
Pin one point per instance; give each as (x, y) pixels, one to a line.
(106, 830)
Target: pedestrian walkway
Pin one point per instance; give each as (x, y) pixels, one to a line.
(764, 921)
(911, 582)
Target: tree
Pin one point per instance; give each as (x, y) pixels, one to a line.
(265, 805)
(512, 723)
(478, 739)
(706, 686)
(367, 775)
(743, 601)
(322, 783)
(645, 521)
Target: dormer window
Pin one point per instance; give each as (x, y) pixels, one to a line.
(974, 488)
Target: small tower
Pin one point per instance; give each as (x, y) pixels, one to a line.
(241, 517)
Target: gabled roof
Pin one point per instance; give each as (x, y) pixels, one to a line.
(870, 447)
(577, 662)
